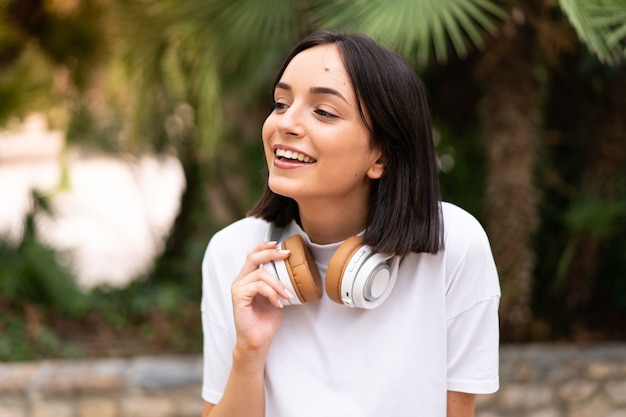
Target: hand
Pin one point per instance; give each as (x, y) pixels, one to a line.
(255, 293)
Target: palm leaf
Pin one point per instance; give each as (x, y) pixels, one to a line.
(203, 91)
(230, 47)
(417, 29)
(245, 31)
(601, 25)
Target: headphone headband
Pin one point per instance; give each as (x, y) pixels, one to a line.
(274, 233)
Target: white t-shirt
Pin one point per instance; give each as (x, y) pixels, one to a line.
(437, 331)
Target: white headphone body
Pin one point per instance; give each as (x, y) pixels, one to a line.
(356, 276)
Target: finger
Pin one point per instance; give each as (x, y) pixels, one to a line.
(245, 294)
(263, 254)
(273, 281)
(269, 279)
(267, 254)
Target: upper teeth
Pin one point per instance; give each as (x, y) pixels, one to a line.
(293, 155)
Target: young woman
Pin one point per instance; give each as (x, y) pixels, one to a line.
(349, 153)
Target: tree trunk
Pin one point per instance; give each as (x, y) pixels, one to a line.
(507, 114)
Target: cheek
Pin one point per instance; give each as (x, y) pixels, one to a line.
(267, 131)
(269, 127)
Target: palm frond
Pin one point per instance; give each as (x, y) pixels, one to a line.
(601, 25)
(419, 30)
(245, 30)
(203, 91)
(229, 47)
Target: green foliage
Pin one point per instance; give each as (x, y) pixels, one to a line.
(464, 182)
(21, 342)
(43, 314)
(91, 131)
(601, 24)
(30, 271)
(417, 29)
(25, 85)
(32, 279)
(144, 317)
(596, 216)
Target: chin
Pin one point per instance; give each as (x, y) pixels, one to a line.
(280, 188)
(277, 188)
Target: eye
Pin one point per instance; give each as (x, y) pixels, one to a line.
(278, 106)
(325, 114)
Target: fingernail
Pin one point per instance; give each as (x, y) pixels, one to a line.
(284, 251)
(272, 242)
(287, 293)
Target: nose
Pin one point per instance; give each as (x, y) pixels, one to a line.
(290, 122)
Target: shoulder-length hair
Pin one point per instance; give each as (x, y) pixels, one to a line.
(404, 204)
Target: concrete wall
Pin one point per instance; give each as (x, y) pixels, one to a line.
(536, 380)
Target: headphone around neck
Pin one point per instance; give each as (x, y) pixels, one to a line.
(356, 276)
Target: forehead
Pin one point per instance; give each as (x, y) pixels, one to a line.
(321, 65)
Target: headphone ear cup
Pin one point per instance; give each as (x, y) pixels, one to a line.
(338, 264)
(302, 270)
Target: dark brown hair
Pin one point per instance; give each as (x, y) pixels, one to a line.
(404, 204)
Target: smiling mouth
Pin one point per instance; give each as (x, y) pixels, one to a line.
(284, 154)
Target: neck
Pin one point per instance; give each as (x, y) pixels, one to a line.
(329, 224)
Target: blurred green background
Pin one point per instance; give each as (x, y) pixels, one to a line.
(528, 101)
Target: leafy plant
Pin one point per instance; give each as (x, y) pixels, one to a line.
(601, 25)
(418, 30)
(30, 270)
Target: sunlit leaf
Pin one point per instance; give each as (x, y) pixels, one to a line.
(419, 30)
(601, 25)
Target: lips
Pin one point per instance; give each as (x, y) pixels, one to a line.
(287, 154)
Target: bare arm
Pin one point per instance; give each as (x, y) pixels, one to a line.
(461, 404)
(206, 408)
(244, 395)
(258, 316)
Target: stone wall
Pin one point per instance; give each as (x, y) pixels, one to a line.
(138, 387)
(559, 381)
(536, 380)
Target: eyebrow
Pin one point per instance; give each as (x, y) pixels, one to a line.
(314, 90)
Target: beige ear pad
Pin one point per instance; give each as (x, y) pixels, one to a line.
(302, 270)
(337, 265)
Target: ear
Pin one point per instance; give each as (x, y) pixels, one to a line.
(377, 169)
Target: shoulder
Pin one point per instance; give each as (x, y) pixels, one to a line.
(246, 229)
(237, 239)
(461, 229)
(467, 252)
(457, 219)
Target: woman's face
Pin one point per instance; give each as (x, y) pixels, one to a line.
(316, 144)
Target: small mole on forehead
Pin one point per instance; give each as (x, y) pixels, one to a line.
(326, 69)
